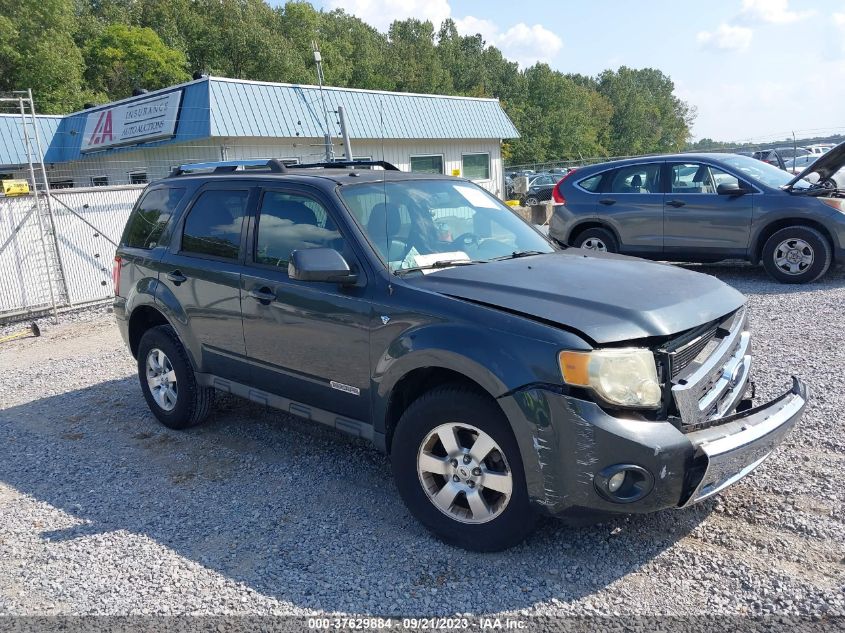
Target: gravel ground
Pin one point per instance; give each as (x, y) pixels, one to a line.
(104, 511)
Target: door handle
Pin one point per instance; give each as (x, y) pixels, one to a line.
(263, 295)
(176, 277)
(607, 201)
(676, 203)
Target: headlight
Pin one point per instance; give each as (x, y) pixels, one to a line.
(624, 376)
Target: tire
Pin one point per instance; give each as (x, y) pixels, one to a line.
(189, 406)
(503, 519)
(597, 239)
(797, 255)
(532, 201)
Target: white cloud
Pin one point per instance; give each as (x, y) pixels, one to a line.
(772, 11)
(726, 38)
(381, 13)
(523, 43)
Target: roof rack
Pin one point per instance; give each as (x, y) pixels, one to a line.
(349, 163)
(274, 165)
(229, 166)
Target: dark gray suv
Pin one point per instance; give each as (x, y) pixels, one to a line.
(708, 207)
(504, 376)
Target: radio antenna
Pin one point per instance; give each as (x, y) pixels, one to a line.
(327, 138)
(384, 196)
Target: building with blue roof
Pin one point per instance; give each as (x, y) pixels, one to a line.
(141, 138)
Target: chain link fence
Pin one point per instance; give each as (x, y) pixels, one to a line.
(60, 258)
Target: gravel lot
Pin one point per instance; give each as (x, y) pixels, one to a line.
(104, 511)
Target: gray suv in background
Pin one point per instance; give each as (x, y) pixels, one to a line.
(708, 207)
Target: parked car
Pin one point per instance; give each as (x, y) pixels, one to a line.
(820, 148)
(539, 190)
(504, 377)
(781, 156)
(707, 207)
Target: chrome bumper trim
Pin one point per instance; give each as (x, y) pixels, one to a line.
(740, 444)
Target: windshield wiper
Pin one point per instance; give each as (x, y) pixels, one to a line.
(445, 263)
(518, 254)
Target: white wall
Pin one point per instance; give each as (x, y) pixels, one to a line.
(158, 161)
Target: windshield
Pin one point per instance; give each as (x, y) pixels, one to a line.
(763, 173)
(421, 223)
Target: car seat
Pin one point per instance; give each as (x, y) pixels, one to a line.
(383, 227)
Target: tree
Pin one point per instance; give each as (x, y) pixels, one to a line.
(37, 51)
(647, 116)
(123, 58)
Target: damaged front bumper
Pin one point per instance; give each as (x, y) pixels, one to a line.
(569, 446)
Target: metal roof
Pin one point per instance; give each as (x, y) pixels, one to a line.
(259, 109)
(221, 107)
(12, 147)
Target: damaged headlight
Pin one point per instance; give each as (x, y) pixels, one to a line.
(625, 376)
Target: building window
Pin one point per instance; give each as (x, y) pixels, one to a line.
(432, 164)
(99, 181)
(138, 178)
(476, 166)
(7, 176)
(62, 184)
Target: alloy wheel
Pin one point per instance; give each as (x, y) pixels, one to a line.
(161, 379)
(794, 256)
(464, 473)
(594, 244)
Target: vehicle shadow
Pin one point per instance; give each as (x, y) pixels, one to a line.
(754, 280)
(296, 513)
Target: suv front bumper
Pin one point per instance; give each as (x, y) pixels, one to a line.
(567, 443)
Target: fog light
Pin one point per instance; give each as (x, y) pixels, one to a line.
(616, 481)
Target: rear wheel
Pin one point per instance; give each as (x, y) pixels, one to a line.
(596, 239)
(458, 469)
(532, 201)
(168, 381)
(797, 255)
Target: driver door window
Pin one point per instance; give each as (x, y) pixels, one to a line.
(289, 222)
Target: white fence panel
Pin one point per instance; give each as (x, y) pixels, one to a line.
(87, 222)
(24, 276)
(87, 252)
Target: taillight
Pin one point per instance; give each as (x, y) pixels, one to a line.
(557, 194)
(115, 275)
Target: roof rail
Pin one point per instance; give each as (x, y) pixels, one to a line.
(229, 166)
(349, 163)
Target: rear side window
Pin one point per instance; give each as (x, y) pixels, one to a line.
(149, 219)
(591, 184)
(636, 179)
(213, 225)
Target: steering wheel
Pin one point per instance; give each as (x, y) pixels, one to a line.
(466, 239)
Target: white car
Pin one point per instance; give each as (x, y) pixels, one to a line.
(819, 148)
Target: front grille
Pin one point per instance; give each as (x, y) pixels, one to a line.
(686, 354)
(710, 371)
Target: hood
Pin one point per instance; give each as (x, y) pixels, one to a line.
(609, 298)
(825, 165)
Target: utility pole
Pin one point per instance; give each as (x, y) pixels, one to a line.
(344, 132)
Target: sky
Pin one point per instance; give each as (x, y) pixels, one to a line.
(754, 69)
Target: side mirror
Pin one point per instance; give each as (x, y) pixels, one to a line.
(320, 264)
(731, 189)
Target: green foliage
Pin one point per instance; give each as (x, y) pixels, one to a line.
(125, 57)
(74, 50)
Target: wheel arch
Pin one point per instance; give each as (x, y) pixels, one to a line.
(141, 319)
(585, 225)
(773, 227)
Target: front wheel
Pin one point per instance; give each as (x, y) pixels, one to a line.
(532, 201)
(458, 469)
(797, 255)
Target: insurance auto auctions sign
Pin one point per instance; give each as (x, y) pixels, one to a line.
(139, 121)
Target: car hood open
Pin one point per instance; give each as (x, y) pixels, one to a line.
(825, 166)
(608, 298)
